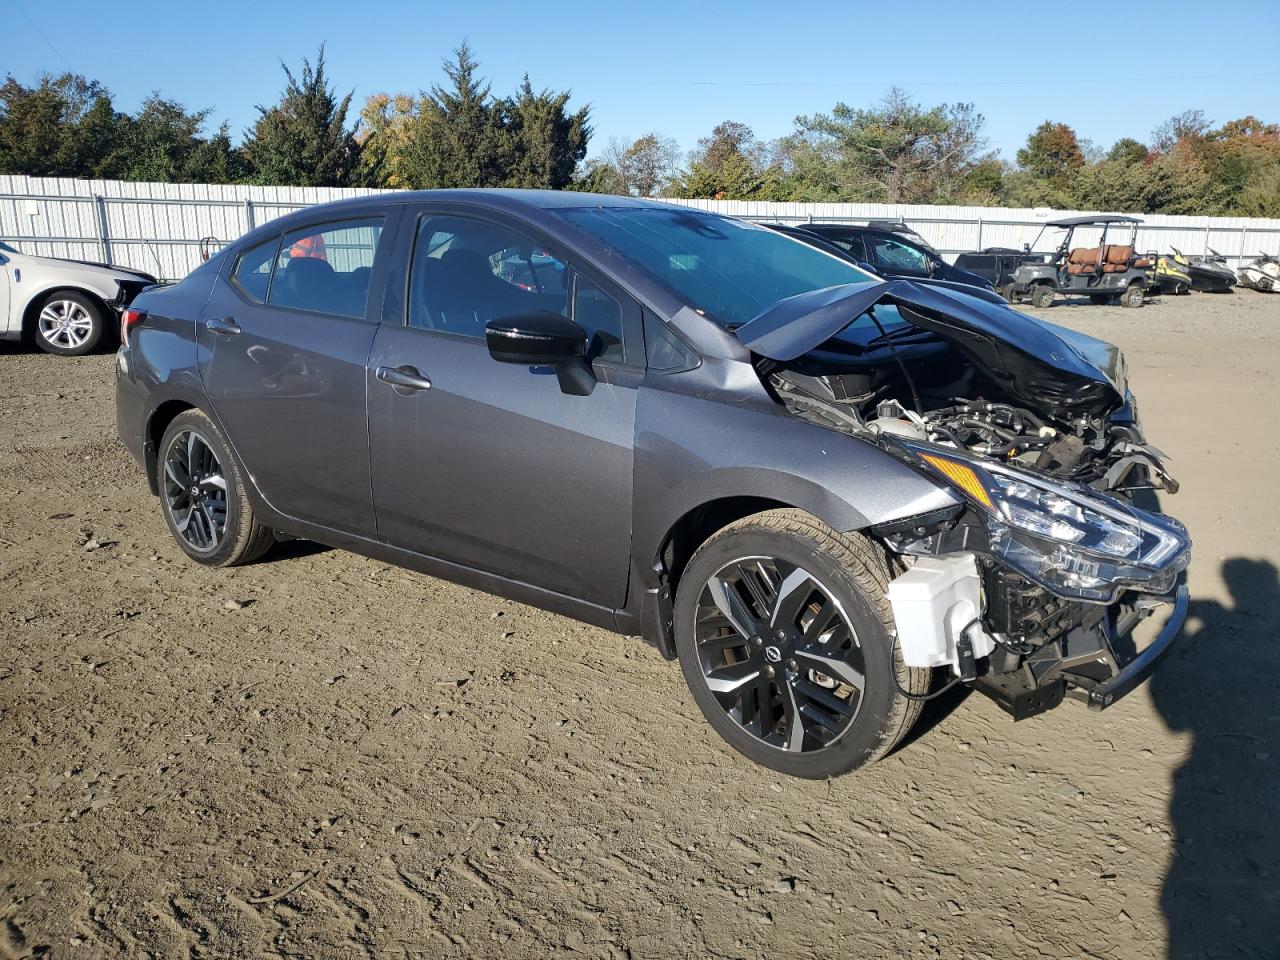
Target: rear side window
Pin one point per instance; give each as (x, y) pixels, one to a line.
(326, 268)
(851, 243)
(252, 273)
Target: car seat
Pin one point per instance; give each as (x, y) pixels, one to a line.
(1083, 260)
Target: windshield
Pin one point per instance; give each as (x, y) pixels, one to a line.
(727, 270)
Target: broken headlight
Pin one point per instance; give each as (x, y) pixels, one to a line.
(1070, 540)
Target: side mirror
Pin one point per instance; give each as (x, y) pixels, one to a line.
(543, 339)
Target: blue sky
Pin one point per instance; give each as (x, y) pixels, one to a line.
(679, 68)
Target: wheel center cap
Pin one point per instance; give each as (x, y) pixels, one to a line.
(195, 490)
(773, 654)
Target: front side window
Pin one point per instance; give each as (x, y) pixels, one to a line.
(326, 268)
(728, 270)
(893, 255)
(468, 272)
(252, 273)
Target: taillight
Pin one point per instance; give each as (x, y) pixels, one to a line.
(129, 319)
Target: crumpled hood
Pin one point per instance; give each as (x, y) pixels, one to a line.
(1043, 366)
(106, 268)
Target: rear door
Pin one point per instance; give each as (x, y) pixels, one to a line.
(492, 466)
(285, 338)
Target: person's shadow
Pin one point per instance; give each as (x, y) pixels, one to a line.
(1221, 685)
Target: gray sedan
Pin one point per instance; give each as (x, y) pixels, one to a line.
(829, 496)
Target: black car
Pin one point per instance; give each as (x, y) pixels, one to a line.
(811, 486)
(893, 251)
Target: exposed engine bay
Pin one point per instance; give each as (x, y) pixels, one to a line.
(1031, 587)
(923, 390)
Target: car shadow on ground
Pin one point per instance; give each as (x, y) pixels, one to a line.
(293, 550)
(1221, 894)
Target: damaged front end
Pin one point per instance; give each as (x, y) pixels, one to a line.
(1031, 587)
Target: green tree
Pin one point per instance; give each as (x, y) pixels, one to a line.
(458, 136)
(1052, 154)
(62, 127)
(385, 137)
(896, 151)
(727, 165)
(646, 167)
(545, 141)
(1128, 150)
(164, 143)
(303, 140)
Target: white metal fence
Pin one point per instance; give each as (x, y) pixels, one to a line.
(158, 227)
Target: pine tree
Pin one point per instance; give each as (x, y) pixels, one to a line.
(544, 141)
(458, 138)
(303, 140)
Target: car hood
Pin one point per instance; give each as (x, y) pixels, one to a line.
(1044, 367)
(105, 268)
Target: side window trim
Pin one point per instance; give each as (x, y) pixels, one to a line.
(234, 263)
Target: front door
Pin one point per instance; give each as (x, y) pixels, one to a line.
(893, 258)
(492, 466)
(4, 293)
(284, 340)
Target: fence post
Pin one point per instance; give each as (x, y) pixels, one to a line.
(979, 247)
(248, 213)
(104, 240)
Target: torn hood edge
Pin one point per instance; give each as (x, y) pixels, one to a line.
(1041, 365)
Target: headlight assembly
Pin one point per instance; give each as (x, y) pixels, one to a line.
(1070, 540)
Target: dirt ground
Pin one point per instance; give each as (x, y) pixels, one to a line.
(323, 756)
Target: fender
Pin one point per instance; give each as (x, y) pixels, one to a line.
(692, 450)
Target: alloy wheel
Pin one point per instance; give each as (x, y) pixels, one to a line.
(779, 653)
(65, 323)
(195, 491)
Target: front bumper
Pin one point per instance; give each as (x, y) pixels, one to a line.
(1095, 662)
(1131, 675)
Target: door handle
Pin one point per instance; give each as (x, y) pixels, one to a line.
(404, 377)
(226, 326)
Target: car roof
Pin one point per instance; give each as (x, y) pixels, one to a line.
(500, 199)
(1080, 221)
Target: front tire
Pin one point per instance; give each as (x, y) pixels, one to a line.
(1132, 296)
(786, 640)
(1042, 295)
(202, 495)
(69, 324)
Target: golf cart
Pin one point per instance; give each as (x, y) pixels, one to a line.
(1107, 273)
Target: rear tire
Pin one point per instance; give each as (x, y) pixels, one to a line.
(202, 495)
(817, 644)
(1042, 295)
(69, 324)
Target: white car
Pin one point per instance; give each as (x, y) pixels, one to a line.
(63, 306)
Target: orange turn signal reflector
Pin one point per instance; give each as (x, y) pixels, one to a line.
(961, 476)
